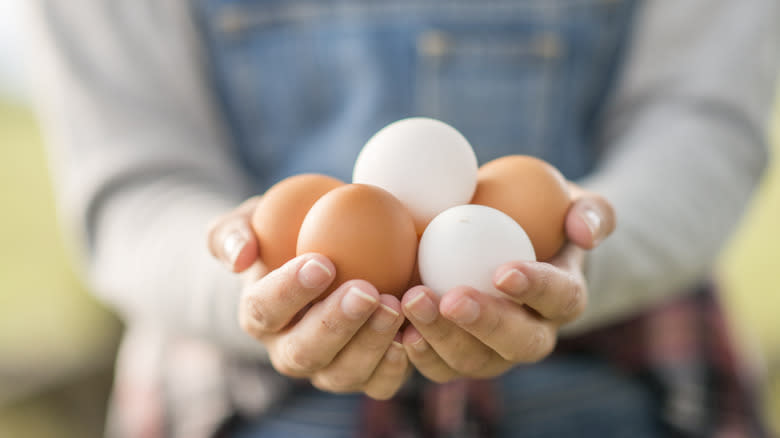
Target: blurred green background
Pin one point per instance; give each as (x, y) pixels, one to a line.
(56, 344)
(749, 270)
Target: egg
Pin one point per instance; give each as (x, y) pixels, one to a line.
(533, 193)
(464, 245)
(425, 163)
(366, 233)
(415, 279)
(280, 212)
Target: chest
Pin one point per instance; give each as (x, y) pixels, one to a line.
(305, 83)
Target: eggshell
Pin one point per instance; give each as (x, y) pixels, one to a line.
(464, 245)
(280, 212)
(425, 163)
(415, 279)
(366, 233)
(533, 193)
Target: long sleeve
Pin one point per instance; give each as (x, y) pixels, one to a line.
(684, 144)
(140, 160)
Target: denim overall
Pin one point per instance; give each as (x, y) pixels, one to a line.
(304, 84)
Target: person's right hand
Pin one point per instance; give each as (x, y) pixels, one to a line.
(347, 342)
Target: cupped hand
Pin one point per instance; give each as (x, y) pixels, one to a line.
(466, 333)
(346, 342)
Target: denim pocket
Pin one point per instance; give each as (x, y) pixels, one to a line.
(493, 84)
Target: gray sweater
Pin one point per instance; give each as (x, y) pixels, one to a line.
(142, 161)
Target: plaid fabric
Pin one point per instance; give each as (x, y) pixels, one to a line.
(686, 349)
(683, 349)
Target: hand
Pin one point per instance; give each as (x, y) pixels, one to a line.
(347, 342)
(466, 333)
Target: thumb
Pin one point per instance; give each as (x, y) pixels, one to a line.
(590, 219)
(231, 239)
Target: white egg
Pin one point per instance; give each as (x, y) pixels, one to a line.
(464, 245)
(427, 164)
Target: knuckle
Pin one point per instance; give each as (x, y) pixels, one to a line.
(300, 360)
(335, 327)
(492, 326)
(543, 284)
(575, 304)
(249, 327)
(374, 347)
(536, 346)
(389, 371)
(381, 394)
(440, 336)
(344, 382)
(431, 366)
(471, 364)
(497, 369)
(441, 377)
(337, 383)
(283, 367)
(384, 391)
(322, 384)
(539, 345)
(533, 345)
(254, 319)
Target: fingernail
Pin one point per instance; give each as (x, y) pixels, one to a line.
(313, 274)
(513, 280)
(465, 311)
(232, 246)
(383, 318)
(592, 220)
(421, 307)
(357, 303)
(395, 353)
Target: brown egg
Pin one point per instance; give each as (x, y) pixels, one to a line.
(280, 212)
(415, 279)
(533, 193)
(366, 232)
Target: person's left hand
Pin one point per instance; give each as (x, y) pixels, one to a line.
(466, 333)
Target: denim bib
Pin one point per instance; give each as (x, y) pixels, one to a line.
(305, 83)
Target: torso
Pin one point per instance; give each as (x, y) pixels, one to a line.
(305, 83)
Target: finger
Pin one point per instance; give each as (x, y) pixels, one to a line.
(425, 359)
(270, 303)
(390, 374)
(557, 294)
(314, 341)
(230, 237)
(509, 329)
(355, 363)
(254, 273)
(460, 350)
(590, 219)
